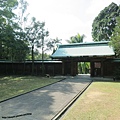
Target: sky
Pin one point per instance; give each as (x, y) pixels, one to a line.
(66, 18)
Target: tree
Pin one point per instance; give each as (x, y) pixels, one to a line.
(83, 67)
(115, 39)
(52, 44)
(104, 24)
(7, 7)
(35, 34)
(12, 37)
(38, 55)
(22, 16)
(6, 16)
(13, 43)
(76, 39)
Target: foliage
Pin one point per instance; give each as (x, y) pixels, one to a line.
(104, 24)
(13, 47)
(22, 16)
(35, 34)
(76, 39)
(12, 38)
(52, 44)
(83, 67)
(38, 56)
(115, 39)
(16, 37)
(22, 8)
(6, 9)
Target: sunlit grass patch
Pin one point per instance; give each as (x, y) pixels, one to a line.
(11, 86)
(101, 101)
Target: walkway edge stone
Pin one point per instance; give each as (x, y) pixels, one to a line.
(62, 111)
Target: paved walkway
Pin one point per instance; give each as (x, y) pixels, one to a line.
(45, 103)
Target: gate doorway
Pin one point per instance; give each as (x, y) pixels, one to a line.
(83, 67)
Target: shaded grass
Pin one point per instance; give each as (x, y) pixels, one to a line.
(101, 101)
(11, 86)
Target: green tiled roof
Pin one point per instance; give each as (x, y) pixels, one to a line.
(84, 49)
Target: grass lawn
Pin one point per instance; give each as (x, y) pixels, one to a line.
(15, 85)
(101, 101)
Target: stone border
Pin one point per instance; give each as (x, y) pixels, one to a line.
(62, 111)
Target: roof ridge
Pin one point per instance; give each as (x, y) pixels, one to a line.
(84, 44)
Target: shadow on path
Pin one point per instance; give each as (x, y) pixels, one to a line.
(45, 103)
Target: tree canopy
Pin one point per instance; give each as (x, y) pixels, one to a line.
(52, 44)
(76, 39)
(115, 39)
(12, 38)
(104, 24)
(17, 34)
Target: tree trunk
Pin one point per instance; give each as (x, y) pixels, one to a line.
(42, 57)
(32, 60)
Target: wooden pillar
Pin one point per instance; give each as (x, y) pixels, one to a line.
(73, 68)
(76, 68)
(63, 68)
(92, 69)
(102, 68)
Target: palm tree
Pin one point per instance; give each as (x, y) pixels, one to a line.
(76, 39)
